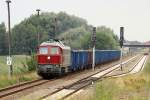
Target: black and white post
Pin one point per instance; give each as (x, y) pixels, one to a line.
(93, 45)
(9, 59)
(38, 34)
(121, 44)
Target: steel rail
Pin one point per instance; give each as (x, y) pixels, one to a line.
(20, 87)
(19, 84)
(90, 82)
(87, 80)
(124, 73)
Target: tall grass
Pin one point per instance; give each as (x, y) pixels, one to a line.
(20, 72)
(7, 81)
(103, 90)
(17, 64)
(130, 87)
(146, 70)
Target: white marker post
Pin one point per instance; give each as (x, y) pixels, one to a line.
(93, 41)
(93, 64)
(121, 60)
(9, 63)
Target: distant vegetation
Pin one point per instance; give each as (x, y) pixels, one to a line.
(3, 40)
(74, 31)
(105, 39)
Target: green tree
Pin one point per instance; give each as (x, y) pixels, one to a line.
(72, 37)
(74, 30)
(24, 38)
(105, 39)
(107, 30)
(3, 42)
(25, 33)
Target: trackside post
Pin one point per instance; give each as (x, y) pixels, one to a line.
(38, 34)
(93, 44)
(121, 44)
(9, 59)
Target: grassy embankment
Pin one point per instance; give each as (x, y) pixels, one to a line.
(20, 73)
(130, 87)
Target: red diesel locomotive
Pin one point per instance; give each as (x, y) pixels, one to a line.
(53, 58)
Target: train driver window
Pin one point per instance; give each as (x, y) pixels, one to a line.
(54, 50)
(43, 50)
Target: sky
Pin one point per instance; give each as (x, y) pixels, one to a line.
(133, 15)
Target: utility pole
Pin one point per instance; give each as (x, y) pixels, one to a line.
(9, 59)
(38, 35)
(93, 45)
(121, 44)
(55, 27)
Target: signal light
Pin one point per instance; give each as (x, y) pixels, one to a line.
(121, 36)
(94, 36)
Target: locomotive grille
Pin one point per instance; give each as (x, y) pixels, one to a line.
(49, 69)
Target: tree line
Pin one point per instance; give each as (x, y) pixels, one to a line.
(72, 30)
(3, 39)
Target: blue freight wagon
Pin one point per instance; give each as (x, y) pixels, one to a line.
(79, 59)
(82, 59)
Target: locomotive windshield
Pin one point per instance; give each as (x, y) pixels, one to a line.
(43, 50)
(54, 50)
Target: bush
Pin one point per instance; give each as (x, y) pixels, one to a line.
(31, 62)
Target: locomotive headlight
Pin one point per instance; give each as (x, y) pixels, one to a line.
(48, 57)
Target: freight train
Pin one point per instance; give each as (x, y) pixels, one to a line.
(55, 58)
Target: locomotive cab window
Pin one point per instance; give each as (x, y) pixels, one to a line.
(43, 50)
(54, 50)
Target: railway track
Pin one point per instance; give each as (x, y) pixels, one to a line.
(66, 91)
(12, 90)
(6, 92)
(141, 62)
(21, 87)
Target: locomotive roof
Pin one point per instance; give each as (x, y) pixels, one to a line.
(55, 43)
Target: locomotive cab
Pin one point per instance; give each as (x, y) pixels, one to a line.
(49, 55)
(53, 58)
